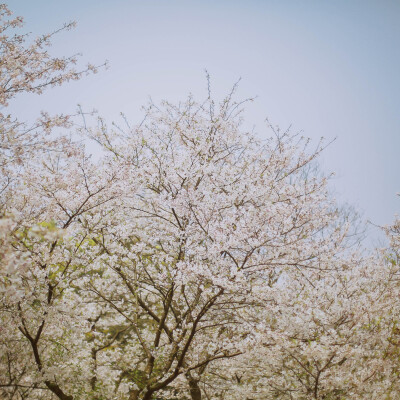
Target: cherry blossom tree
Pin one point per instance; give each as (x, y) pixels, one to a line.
(26, 66)
(191, 260)
(165, 245)
(212, 219)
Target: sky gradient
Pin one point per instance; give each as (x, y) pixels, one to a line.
(328, 68)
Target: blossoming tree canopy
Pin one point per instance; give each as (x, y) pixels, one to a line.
(191, 260)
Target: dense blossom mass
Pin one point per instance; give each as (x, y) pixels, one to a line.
(190, 260)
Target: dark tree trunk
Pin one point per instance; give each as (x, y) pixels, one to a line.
(195, 392)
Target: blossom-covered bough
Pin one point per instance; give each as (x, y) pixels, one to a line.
(191, 260)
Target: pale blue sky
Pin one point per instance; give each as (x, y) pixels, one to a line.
(329, 68)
